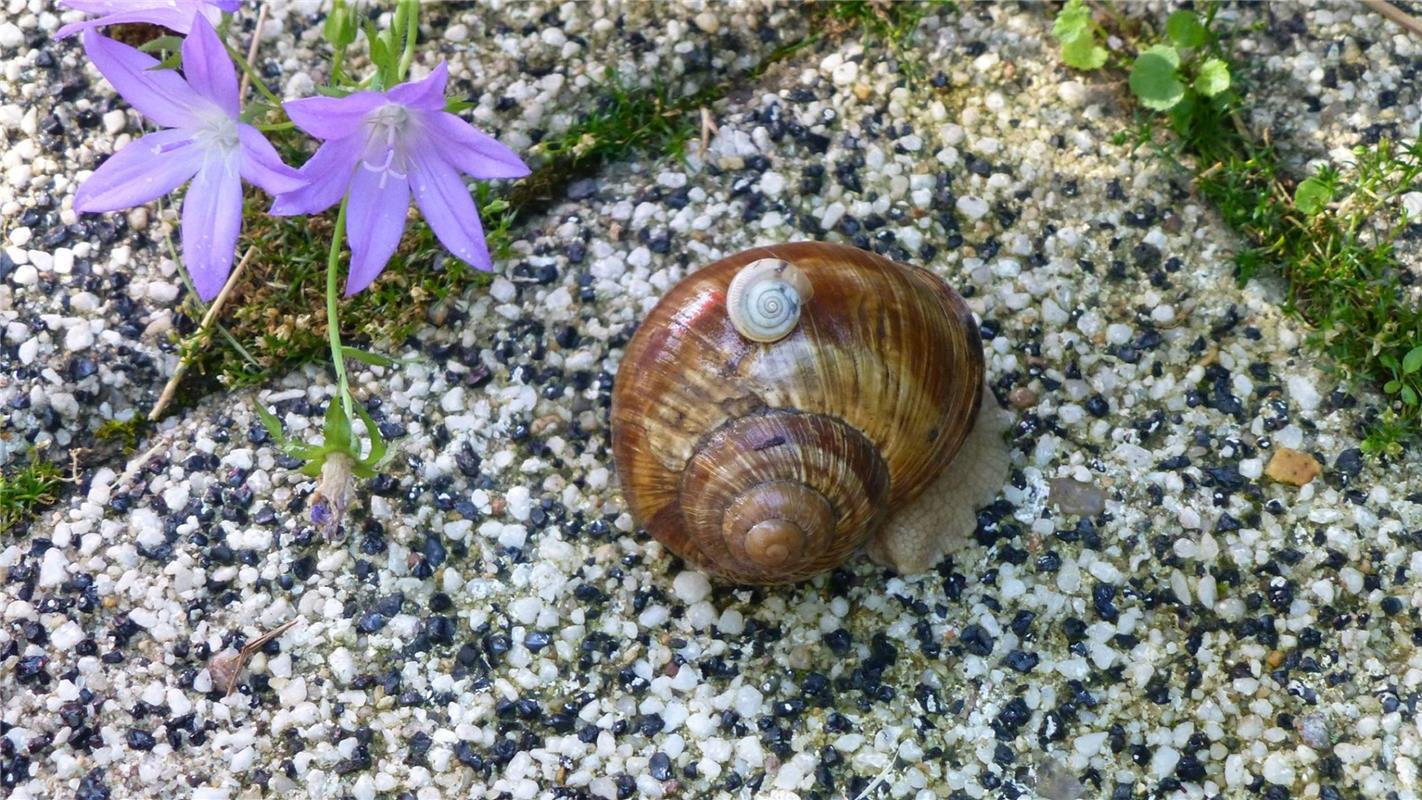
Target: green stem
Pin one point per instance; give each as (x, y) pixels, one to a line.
(410, 10)
(333, 320)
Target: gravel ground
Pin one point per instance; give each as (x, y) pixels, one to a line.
(1141, 612)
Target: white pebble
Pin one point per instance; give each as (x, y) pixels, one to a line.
(691, 586)
(974, 208)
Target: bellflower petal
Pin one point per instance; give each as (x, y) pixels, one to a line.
(175, 15)
(447, 206)
(327, 175)
(93, 6)
(159, 94)
(381, 146)
(333, 117)
(147, 168)
(375, 220)
(261, 166)
(212, 217)
(209, 69)
(472, 151)
(426, 94)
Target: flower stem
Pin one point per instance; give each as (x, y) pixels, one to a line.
(333, 319)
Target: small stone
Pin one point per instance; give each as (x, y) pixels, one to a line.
(974, 208)
(11, 36)
(1022, 398)
(1313, 729)
(691, 587)
(115, 121)
(1277, 769)
(1293, 467)
(1074, 497)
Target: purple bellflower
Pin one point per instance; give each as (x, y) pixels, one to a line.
(202, 140)
(379, 148)
(175, 15)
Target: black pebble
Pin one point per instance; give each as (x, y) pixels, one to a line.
(661, 766)
(977, 640)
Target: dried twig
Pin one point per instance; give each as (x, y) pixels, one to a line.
(225, 667)
(252, 50)
(708, 127)
(171, 387)
(1395, 14)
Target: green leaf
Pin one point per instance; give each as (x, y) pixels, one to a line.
(1073, 21)
(271, 423)
(1083, 53)
(1213, 77)
(338, 428)
(456, 106)
(1390, 361)
(1073, 28)
(1409, 395)
(1312, 195)
(1184, 28)
(380, 56)
(1392, 386)
(1154, 78)
(172, 44)
(377, 442)
(1412, 362)
(340, 28)
(367, 357)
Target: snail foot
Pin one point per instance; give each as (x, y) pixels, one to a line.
(944, 516)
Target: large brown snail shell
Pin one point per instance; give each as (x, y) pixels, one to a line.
(770, 461)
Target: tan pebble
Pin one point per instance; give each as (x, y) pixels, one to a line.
(1022, 397)
(1275, 658)
(1293, 467)
(496, 504)
(862, 91)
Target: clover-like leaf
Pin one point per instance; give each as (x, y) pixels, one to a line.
(1155, 78)
(1213, 77)
(1073, 28)
(1083, 53)
(1184, 28)
(1073, 21)
(1412, 362)
(1312, 195)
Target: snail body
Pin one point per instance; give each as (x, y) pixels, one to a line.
(777, 405)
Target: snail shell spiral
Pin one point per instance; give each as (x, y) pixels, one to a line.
(764, 299)
(768, 460)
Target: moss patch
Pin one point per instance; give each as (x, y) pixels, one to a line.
(26, 490)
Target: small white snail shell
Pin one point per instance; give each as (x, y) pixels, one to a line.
(764, 299)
